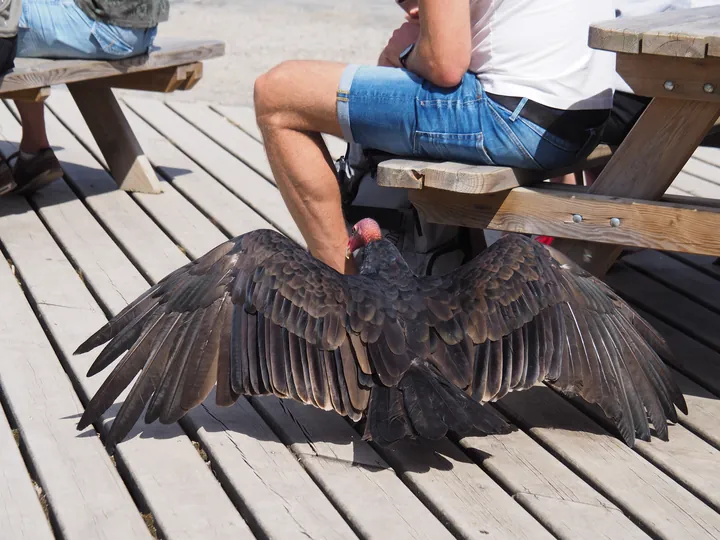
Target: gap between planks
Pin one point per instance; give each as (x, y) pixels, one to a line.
(422, 519)
(199, 508)
(253, 490)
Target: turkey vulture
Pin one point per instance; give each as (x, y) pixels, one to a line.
(417, 356)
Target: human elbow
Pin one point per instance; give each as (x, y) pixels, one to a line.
(447, 73)
(447, 77)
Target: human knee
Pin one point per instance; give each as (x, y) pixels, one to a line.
(270, 92)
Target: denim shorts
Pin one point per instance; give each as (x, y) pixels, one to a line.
(60, 29)
(396, 111)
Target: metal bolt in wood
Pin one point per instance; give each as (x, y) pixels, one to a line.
(708, 88)
(669, 86)
(577, 218)
(614, 222)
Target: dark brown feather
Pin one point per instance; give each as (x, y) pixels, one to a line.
(259, 315)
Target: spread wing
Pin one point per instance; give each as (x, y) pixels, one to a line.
(520, 314)
(257, 315)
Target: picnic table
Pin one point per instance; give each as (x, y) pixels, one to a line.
(171, 64)
(673, 57)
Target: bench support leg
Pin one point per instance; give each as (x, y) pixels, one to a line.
(645, 165)
(128, 164)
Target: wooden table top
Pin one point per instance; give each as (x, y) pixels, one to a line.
(690, 33)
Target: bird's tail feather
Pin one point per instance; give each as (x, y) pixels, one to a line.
(425, 404)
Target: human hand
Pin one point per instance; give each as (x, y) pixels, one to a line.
(411, 9)
(401, 39)
(413, 16)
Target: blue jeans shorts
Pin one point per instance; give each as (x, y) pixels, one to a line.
(60, 29)
(396, 111)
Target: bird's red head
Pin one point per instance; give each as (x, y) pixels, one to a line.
(365, 231)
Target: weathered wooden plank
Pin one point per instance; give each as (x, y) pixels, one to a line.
(685, 40)
(704, 408)
(626, 34)
(658, 225)
(184, 497)
(86, 496)
(244, 118)
(474, 505)
(121, 215)
(361, 484)
(127, 162)
(268, 479)
(38, 72)
(285, 487)
(211, 197)
(473, 179)
(702, 169)
(648, 75)
(645, 165)
(709, 265)
(555, 495)
(21, 515)
(214, 199)
(187, 229)
(709, 154)
(428, 489)
(698, 187)
(470, 179)
(685, 457)
(183, 477)
(241, 116)
(655, 500)
(692, 358)
(163, 80)
(693, 319)
(402, 173)
(253, 189)
(37, 95)
(697, 286)
(260, 473)
(184, 231)
(225, 134)
(703, 365)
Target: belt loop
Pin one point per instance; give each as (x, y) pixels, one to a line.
(518, 109)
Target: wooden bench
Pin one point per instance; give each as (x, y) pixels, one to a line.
(171, 65)
(674, 58)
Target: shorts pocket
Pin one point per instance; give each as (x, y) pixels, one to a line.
(466, 147)
(111, 40)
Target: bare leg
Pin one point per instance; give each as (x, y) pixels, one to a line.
(294, 103)
(34, 137)
(572, 179)
(591, 175)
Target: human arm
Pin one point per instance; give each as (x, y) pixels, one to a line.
(442, 50)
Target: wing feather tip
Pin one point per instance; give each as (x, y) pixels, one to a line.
(87, 346)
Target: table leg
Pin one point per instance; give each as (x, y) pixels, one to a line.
(645, 165)
(128, 164)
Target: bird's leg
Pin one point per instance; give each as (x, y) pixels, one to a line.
(295, 102)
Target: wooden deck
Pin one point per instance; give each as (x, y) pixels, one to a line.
(78, 251)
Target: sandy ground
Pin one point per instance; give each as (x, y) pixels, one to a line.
(262, 33)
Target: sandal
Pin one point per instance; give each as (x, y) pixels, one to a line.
(36, 172)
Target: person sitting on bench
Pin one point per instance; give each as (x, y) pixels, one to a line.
(81, 29)
(509, 83)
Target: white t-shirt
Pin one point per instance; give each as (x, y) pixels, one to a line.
(538, 49)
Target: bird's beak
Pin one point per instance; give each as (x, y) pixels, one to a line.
(352, 245)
